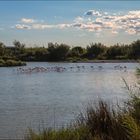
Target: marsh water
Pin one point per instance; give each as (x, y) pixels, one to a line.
(54, 98)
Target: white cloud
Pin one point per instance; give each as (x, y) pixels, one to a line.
(93, 13)
(128, 22)
(131, 31)
(22, 26)
(27, 20)
(79, 19)
(93, 21)
(41, 26)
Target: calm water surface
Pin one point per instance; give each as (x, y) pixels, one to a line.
(55, 98)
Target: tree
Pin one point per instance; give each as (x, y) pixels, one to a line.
(114, 51)
(93, 50)
(19, 48)
(57, 52)
(2, 49)
(77, 51)
(19, 45)
(41, 54)
(135, 49)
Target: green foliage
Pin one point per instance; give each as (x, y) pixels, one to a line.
(19, 45)
(138, 71)
(63, 52)
(118, 52)
(2, 62)
(2, 49)
(130, 127)
(10, 63)
(93, 50)
(99, 122)
(135, 49)
(61, 134)
(77, 51)
(75, 59)
(57, 52)
(103, 122)
(134, 107)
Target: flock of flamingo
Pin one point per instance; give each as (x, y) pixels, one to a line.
(29, 70)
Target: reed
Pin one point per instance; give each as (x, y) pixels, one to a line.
(100, 122)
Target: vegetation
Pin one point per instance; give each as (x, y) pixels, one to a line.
(99, 122)
(63, 52)
(10, 63)
(138, 71)
(9, 58)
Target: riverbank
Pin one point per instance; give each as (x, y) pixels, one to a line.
(99, 122)
(107, 61)
(11, 63)
(35, 95)
(92, 61)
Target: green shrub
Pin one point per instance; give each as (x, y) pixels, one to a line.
(9, 63)
(130, 127)
(2, 62)
(74, 59)
(61, 134)
(99, 122)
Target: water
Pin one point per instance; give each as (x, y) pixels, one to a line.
(55, 98)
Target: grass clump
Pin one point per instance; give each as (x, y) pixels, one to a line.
(100, 122)
(2, 62)
(61, 134)
(138, 71)
(10, 63)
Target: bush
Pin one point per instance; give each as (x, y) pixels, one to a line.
(104, 122)
(74, 59)
(2, 62)
(100, 122)
(9, 63)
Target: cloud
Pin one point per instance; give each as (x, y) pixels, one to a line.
(92, 21)
(41, 26)
(79, 19)
(27, 20)
(22, 26)
(93, 13)
(128, 22)
(131, 31)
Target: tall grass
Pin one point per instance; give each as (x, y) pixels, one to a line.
(138, 71)
(99, 122)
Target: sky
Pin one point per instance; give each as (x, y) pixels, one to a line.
(70, 22)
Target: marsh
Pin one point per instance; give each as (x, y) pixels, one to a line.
(55, 98)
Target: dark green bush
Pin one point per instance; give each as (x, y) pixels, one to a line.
(9, 63)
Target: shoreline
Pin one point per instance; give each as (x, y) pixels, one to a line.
(91, 61)
(111, 61)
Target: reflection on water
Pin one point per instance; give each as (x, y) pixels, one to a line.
(28, 98)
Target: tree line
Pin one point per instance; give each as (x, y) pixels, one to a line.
(64, 52)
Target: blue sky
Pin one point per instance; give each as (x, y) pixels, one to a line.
(71, 22)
